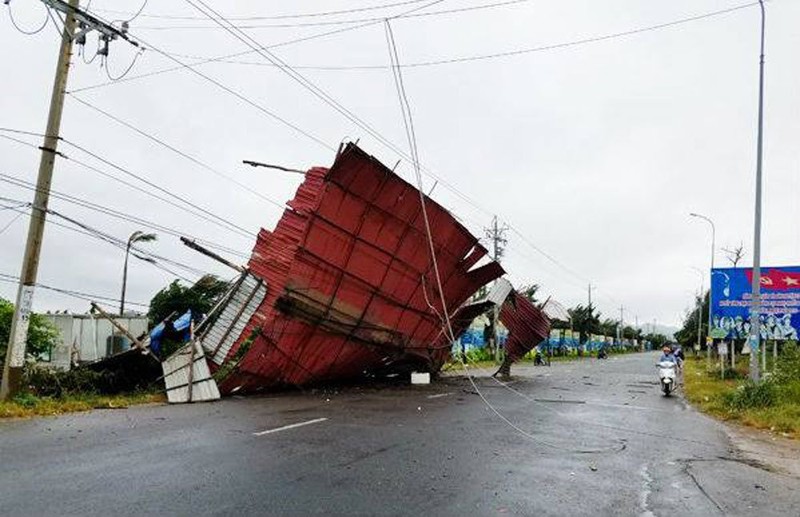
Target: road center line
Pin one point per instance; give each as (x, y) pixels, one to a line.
(290, 426)
(438, 395)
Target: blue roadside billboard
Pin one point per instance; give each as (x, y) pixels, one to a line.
(731, 294)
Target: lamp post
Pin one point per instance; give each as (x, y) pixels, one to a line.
(135, 237)
(755, 303)
(713, 250)
(700, 306)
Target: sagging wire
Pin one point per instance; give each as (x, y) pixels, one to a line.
(136, 15)
(59, 30)
(20, 213)
(82, 53)
(104, 65)
(411, 137)
(20, 29)
(589, 422)
(5, 277)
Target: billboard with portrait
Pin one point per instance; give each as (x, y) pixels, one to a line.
(731, 294)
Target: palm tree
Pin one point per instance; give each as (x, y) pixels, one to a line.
(135, 237)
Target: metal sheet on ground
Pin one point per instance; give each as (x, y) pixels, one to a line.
(178, 378)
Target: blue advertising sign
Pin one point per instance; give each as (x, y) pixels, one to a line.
(731, 294)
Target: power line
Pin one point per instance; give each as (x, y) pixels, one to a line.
(13, 220)
(279, 16)
(489, 56)
(339, 22)
(121, 244)
(211, 216)
(32, 31)
(254, 45)
(129, 185)
(180, 153)
(229, 27)
(182, 66)
(5, 277)
(116, 214)
(89, 231)
(321, 94)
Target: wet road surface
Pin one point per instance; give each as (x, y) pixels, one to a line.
(578, 438)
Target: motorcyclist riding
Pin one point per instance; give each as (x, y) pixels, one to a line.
(667, 355)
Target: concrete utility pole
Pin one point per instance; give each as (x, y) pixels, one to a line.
(621, 332)
(755, 304)
(15, 355)
(496, 234)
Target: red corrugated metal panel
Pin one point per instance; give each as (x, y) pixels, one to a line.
(527, 325)
(349, 279)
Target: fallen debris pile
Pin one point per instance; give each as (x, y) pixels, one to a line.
(343, 287)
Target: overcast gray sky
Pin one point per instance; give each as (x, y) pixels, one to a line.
(594, 153)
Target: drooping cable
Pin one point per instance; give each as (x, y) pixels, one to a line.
(197, 213)
(28, 32)
(409, 125)
(281, 16)
(89, 297)
(178, 152)
(328, 23)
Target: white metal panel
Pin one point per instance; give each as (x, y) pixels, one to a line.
(60, 355)
(89, 334)
(176, 376)
(233, 317)
(499, 291)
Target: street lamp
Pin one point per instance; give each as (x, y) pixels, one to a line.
(135, 237)
(700, 306)
(713, 250)
(755, 304)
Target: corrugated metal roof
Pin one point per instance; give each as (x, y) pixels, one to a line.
(183, 387)
(233, 317)
(527, 325)
(350, 279)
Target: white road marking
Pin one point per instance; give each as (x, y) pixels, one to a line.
(290, 426)
(438, 395)
(644, 494)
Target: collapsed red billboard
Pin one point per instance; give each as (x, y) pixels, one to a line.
(347, 286)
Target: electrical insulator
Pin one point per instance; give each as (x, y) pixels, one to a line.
(81, 39)
(103, 51)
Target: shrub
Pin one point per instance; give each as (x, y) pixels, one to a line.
(479, 354)
(787, 368)
(43, 382)
(751, 395)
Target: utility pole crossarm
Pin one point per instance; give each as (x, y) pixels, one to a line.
(88, 22)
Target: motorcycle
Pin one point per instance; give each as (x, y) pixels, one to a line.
(667, 375)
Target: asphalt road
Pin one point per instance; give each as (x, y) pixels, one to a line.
(580, 438)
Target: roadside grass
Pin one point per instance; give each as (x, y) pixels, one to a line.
(28, 405)
(774, 404)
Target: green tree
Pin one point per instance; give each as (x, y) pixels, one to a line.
(42, 335)
(657, 340)
(687, 335)
(609, 327)
(586, 320)
(178, 298)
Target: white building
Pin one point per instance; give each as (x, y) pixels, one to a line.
(86, 337)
